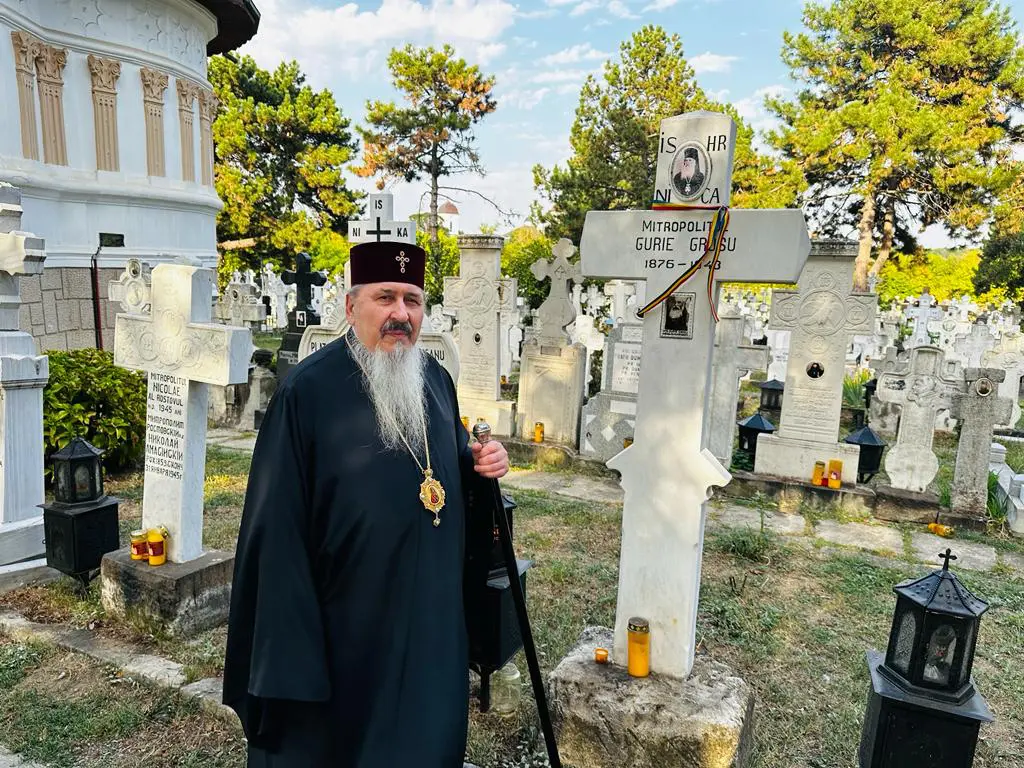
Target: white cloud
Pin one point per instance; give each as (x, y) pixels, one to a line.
(557, 3)
(561, 76)
(574, 55)
(660, 5)
(712, 62)
(752, 110)
(540, 13)
(584, 7)
(620, 9)
(350, 40)
(488, 52)
(523, 98)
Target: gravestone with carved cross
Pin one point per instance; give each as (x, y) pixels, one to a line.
(924, 313)
(132, 289)
(241, 306)
(668, 470)
(822, 315)
(553, 369)
(303, 316)
(183, 353)
(380, 225)
(23, 374)
(979, 409)
(921, 386)
(971, 348)
(477, 296)
(733, 359)
(1008, 356)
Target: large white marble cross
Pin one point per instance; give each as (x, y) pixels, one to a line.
(732, 360)
(921, 386)
(183, 352)
(667, 471)
(381, 226)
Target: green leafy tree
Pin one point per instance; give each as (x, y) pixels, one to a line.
(1002, 266)
(433, 136)
(523, 246)
(444, 253)
(281, 152)
(945, 274)
(904, 117)
(614, 140)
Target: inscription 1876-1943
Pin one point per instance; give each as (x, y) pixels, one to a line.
(165, 425)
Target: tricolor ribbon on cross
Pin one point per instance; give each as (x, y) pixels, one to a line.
(713, 250)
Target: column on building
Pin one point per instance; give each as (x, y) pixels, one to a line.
(154, 84)
(105, 73)
(25, 49)
(187, 93)
(50, 61)
(208, 104)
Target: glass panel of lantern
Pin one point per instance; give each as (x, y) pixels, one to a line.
(942, 647)
(904, 642)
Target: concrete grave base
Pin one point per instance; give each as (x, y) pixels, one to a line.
(902, 506)
(23, 574)
(606, 719)
(22, 540)
(499, 414)
(187, 598)
(793, 459)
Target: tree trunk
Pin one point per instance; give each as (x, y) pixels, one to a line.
(866, 227)
(435, 241)
(888, 230)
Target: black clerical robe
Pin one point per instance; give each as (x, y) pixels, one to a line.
(346, 641)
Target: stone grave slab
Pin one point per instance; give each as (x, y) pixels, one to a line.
(552, 370)
(979, 408)
(879, 538)
(608, 418)
(477, 296)
(822, 315)
(977, 557)
(732, 360)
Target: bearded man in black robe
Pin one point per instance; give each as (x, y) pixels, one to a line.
(347, 640)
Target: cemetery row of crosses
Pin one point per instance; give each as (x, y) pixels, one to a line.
(619, 366)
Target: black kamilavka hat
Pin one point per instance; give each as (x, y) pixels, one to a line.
(387, 262)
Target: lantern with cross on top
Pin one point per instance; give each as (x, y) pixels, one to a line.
(923, 707)
(668, 470)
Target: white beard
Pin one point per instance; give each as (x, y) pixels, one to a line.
(394, 382)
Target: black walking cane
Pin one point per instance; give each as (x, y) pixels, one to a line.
(482, 433)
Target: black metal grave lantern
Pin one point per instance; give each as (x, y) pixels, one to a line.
(771, 394)
(872, 446)
(750, 428)
(80, 525)
(77, 472)
(923, 707)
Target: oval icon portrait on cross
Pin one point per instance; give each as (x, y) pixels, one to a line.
(691, 171)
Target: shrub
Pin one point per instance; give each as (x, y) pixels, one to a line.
(997, 517)
(88, 396)
(853, 389)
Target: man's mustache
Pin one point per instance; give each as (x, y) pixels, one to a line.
(396, 325)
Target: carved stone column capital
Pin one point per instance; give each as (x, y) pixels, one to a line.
(208, 104)
(26, 47)
(187, 93)
(50, 61)
(105, 73)
(154, 84)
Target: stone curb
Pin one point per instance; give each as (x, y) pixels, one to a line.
(10, 760)
(154, 670)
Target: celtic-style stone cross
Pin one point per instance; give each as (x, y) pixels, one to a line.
(922, 314)
(971, 348)
(979, 409)
(557, 310)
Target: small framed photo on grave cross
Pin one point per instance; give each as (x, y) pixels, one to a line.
(691, 171)
(677, 316)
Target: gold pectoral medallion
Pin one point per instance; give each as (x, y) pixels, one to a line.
(432, 495)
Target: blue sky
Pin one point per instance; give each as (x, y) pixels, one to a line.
(540, 52)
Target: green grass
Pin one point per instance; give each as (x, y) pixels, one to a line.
(271, 341)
